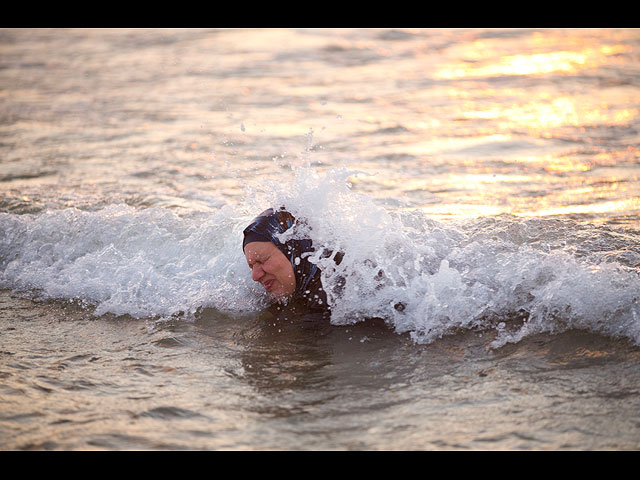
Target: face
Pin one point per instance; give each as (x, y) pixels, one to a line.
(271, 268)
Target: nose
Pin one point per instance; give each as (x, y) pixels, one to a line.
(257, 273)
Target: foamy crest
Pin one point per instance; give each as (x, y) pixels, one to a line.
(515, 276)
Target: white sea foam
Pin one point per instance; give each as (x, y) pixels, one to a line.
(424, 277)
(143, 263)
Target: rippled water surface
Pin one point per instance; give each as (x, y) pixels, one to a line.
(492, 175)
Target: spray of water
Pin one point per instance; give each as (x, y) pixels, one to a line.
(515, 276)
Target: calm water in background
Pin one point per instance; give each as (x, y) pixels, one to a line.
(493, 175)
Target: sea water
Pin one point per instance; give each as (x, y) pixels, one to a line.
(481, 184)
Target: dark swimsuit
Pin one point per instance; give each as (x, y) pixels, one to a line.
(309, 294)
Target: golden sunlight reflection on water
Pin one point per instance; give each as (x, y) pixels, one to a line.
(513, 125)
(452, 121)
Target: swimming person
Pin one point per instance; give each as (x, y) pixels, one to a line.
(283, 269)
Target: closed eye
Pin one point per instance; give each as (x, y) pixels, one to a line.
(253, 264)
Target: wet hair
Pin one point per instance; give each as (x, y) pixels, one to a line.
(265, 228)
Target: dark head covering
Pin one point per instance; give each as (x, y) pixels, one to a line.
(265, 228)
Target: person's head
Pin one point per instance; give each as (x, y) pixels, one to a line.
(281, 267)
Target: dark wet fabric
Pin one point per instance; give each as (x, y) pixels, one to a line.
(266, 228)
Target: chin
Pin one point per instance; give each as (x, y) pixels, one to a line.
(280, 295)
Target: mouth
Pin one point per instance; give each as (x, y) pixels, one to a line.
(268, 285)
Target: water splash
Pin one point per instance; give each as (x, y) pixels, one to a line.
(515, 276)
